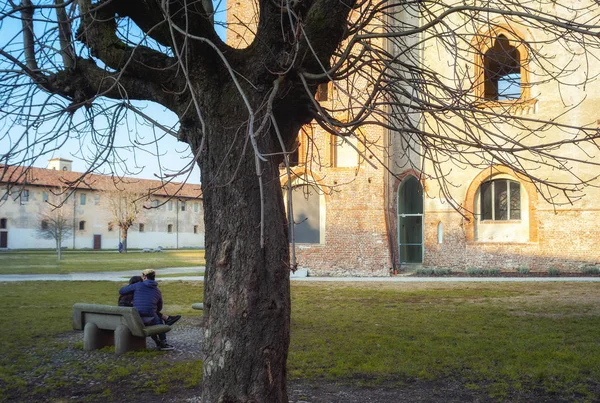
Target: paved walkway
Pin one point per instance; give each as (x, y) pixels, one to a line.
(171, 274)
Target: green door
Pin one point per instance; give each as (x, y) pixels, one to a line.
(410, 221)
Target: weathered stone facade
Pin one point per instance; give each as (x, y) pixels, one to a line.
(360, 222)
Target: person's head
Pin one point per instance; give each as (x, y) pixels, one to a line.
(148, 274)
(135, 279)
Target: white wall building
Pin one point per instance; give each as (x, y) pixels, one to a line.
(171, 215)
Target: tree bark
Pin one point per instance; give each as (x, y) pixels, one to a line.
(247, 292)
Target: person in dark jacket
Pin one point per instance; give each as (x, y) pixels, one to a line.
(148, 302)
(127, 300)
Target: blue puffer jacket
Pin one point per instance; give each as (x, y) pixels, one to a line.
(147, 298)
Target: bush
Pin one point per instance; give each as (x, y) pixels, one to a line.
(523, 270)
(590, 270)
(443, 272)
(553, 271)
(424, 271)
(472, 271)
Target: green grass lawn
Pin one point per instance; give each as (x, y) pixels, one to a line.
(495, 338)
(46, 262)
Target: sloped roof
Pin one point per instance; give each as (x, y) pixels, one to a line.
(19, 175)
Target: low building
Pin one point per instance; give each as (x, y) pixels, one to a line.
(170, 214)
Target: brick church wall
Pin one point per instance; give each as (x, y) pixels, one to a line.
(567, 241)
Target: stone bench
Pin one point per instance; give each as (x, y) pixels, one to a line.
(106, 325)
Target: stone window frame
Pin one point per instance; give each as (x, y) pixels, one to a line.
(481, 44)
(468, 206)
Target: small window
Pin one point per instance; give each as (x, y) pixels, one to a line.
(82, 225)
(5, 195)
(141, 227)
(170, 228)
(45, 196)
(440, 233)
(500, 200)
(170, 205)
(44, 224)
(195, 229)
(82, 199)
(195, 207)
(110, 227)
(344, 151)
(322, 92)
(64, 168)
(182, 206)
(25, 196)
(96, 199)
(155, 203)
(3, 223)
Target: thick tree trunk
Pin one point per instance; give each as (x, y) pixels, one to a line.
(247, 293)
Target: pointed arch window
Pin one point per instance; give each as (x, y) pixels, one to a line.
(501, 66)
(502, 71)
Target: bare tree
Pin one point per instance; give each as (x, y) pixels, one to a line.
(79, 69)
(125, 205)
(56, 222)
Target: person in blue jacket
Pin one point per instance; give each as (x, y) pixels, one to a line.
(127, 300)
(148, 302)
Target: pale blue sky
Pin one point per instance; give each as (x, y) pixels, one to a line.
(173, 155)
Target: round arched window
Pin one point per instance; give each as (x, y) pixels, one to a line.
(500, 200)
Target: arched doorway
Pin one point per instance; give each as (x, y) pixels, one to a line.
(410, 221)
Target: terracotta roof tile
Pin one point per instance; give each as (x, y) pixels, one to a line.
(19, 175)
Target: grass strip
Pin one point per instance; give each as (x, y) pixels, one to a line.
(501, 338)
(46, 262)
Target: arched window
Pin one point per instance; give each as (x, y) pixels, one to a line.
(3, 223)
(440, 232)
(500, 200)
(170, 228)
(141, 227)
(44, 224)
(82, 225)
(501, 66)
(502, 71)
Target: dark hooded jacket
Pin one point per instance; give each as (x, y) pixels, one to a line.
(147, 298)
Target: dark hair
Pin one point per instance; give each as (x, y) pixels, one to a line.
(150, 276)
(135, 279)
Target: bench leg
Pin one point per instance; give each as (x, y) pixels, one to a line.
(94, 338)
(125, 341)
